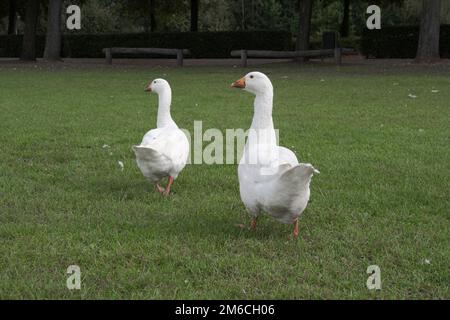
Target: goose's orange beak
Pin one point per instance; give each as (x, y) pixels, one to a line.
(239, 83)
(148, 88)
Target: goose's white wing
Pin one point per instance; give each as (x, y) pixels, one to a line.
(172, 147)
(152, 164)
(261, 163)
(287, 156)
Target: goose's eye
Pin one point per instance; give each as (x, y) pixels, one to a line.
(251, 77)
(154, 81)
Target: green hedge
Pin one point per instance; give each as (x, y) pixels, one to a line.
(348, 42)
(11, 45)
(399, 42)
(201, 44)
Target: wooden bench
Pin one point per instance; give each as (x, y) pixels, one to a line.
(330, 47)
(244, 54)
(179, 53)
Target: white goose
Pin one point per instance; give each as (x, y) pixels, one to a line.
(163, 151)
(270, 177)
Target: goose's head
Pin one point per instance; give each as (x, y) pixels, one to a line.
(254, 82)
(157, 86)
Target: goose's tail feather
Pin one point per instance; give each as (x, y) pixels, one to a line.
(294, 180)
(290, 191)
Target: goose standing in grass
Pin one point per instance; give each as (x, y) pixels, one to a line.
(163, 151)
(270, 177)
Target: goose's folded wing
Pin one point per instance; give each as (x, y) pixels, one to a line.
(175, 146)
(151, 136)
(287, 156)
(150, 161)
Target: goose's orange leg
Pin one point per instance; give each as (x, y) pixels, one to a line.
(253, 223)
(296, 229)
(169, 184)
(159, 188)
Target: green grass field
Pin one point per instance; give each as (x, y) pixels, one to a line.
(382, 197)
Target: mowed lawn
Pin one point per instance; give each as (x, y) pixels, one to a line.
(382, 197)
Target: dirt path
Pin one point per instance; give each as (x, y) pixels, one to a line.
(371, 65)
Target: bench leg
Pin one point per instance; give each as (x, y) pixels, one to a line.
(108, 55)
(179, 58)
(244, 58)
(338, 55)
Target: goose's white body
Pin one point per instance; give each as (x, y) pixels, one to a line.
(164, 151)
(270, 177)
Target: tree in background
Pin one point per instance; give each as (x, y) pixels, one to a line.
(135, 16)
(428, 48)
(194, 15)
(344, 29)
(12, 17)
(360, 6)
(258, 14)
(151, 22)
(153, 15)
(29, 37)
(243, 14)
(107, 16)
(11, 12)
(304, 25)
(216, 15)
(53, 39)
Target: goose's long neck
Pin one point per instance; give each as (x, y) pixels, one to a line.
(262, 130)
(262, 115)
(164, 100)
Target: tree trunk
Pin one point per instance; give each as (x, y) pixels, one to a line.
(29, 37)
(304, 26)
(12, 17)
(242, 14)
(53, 40)
(428, 47)
(194, 15)
(345, 25)
(152, 16)
(150, 23)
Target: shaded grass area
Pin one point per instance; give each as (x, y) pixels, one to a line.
(381, 198)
